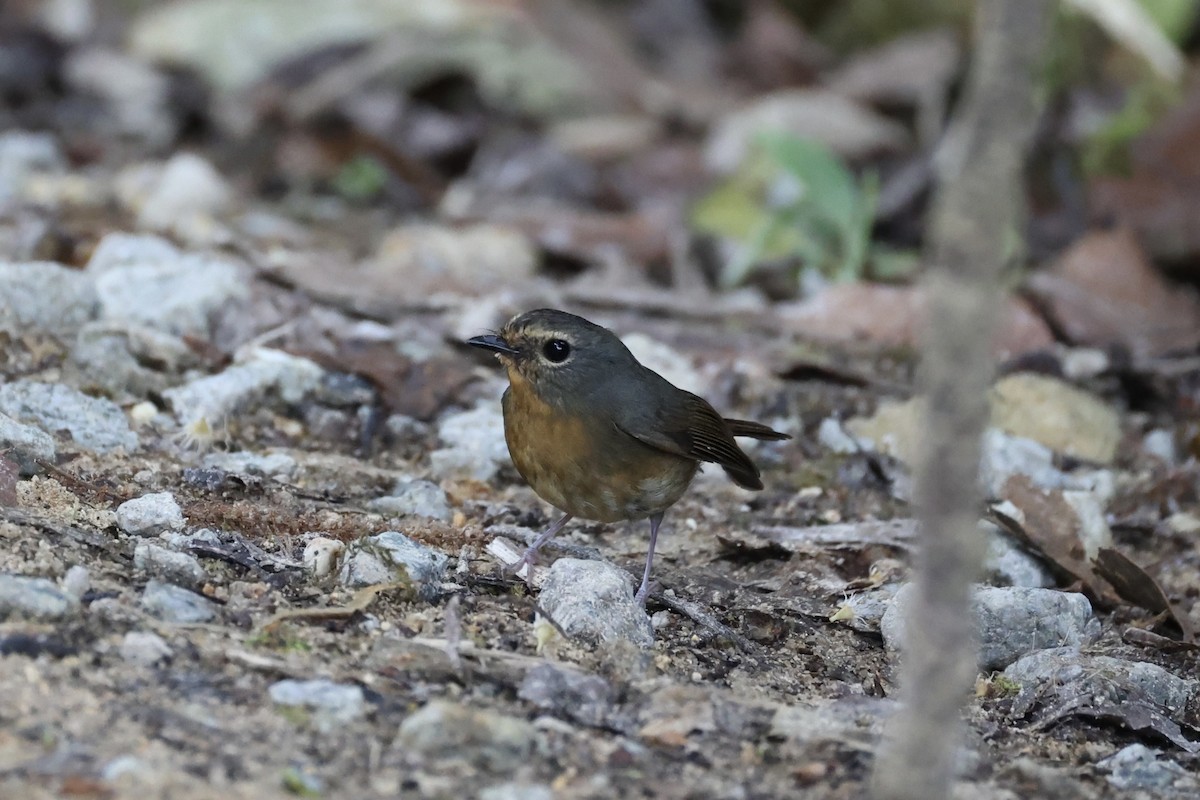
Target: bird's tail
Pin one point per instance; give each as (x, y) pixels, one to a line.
(754, 430)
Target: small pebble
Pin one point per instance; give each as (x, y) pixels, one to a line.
(144, 648)
(150, 515)
(77, 581)
(172, 566)
(173, 603)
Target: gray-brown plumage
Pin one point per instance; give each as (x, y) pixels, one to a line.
(600, 436)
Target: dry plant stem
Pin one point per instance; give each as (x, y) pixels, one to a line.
(975, 222)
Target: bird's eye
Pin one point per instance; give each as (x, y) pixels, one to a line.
(556, 351)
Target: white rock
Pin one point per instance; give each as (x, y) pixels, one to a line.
(34, 598)
(144, 648)
(593, 601)
(173, 603)
(150, 515)
(259, 372)
(474, 444)
(146, 280)
(833, 436)
(24, 154)
(77, 581)
(188, 186)
(134, 92)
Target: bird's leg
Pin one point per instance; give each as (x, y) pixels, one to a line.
(655, 521)
(530, 557)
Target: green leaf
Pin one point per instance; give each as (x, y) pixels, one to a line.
(826, 182)
(361, 179)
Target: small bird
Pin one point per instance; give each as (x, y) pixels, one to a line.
(601, 437)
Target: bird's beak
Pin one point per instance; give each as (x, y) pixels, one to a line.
(493, 343)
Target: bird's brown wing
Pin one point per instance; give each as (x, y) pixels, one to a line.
(691, 428)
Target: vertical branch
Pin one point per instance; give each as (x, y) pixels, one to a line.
(977, 218)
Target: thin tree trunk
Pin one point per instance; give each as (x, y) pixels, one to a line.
(975, 232)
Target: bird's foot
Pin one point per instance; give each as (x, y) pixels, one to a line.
(644, 591)
(528, 562)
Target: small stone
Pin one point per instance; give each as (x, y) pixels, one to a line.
(93, 422)
(834, 437)
(145, 649)
(392, 557)
(1094, 533)
(128, 361)
(172, 566)
(25, 444)
(173, 603)
(333, 704)
(34, 598)
(1006, 564)
(150, 515)
(1160, 443)
(47, 297)
(1138, 767)
(474, 444)
(323, 555)
(490, 740)
(23, 155)
(414, 498)
(593, 601)
(187, 186)
(587, 699)
(1012, 621)
(77, 581)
